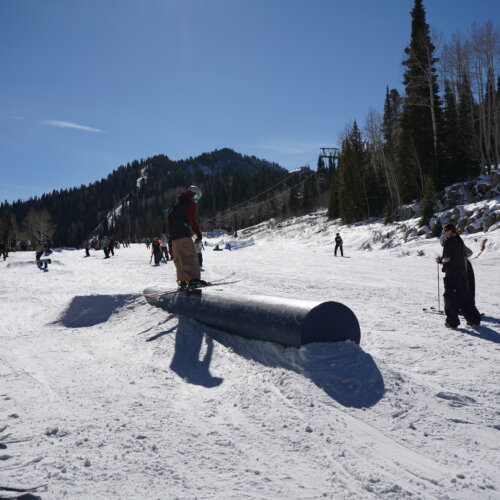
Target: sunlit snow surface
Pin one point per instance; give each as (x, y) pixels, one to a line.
(107, 397)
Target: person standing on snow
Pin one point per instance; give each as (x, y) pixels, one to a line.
(3, 250)
(338, 244)
(471, 279)
(87, 248)
(156, 250)
(111, 245)
(182, 224)
(105, 247)
(164, 247)
(457, 296)
(198, 244)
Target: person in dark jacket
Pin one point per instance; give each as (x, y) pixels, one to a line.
(3, 250)
(156, 250)
(338, 244)
(471, 279)
(182, 224)
(457, 296)
(105, 247)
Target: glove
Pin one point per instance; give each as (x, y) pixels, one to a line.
(439, 260)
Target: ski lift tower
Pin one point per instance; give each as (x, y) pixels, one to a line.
(331, 154)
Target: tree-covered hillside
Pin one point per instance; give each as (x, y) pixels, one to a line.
(130, 202)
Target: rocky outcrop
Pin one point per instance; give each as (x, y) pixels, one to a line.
(460, 204)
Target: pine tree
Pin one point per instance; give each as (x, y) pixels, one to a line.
(8, 228)
(391, 129)
(352, 190)
(468, 158)
(323, 175)
(421, 118)
(333, 203)
(310, 190)
(428, 204)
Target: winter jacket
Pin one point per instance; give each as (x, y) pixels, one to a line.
(454, 249)
(182, 221)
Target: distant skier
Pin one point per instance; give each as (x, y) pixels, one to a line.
(164, 247)
(457, 296)
(339, 244)
(198, 244)
(87, 248)
(182, 224)
(4, 251)
(111, 246)
(156, 250)
(105, 247)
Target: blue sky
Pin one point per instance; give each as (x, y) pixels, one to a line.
(87, 86)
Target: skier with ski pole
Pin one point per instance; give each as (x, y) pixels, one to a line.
(457, 297)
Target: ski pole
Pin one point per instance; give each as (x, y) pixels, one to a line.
(439, 300)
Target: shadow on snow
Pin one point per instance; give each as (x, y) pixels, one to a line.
(186, 361)
(342, 370)
(90, 310)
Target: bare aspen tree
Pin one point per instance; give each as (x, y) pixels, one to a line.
(378, 159)
(455, 62)
(485, 51)
(39, 224)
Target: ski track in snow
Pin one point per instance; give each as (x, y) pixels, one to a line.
(107, 397)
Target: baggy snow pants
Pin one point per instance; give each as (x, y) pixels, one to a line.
(186, 259)
(458, 298)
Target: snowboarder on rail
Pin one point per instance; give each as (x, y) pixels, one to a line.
(182, 224)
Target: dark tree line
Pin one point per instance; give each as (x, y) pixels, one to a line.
(131, 201)
(445, 128)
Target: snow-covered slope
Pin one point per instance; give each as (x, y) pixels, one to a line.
(106, 397)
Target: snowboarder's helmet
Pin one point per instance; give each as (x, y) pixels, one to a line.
(196, 191)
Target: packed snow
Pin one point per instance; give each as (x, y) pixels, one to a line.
(107, 397)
